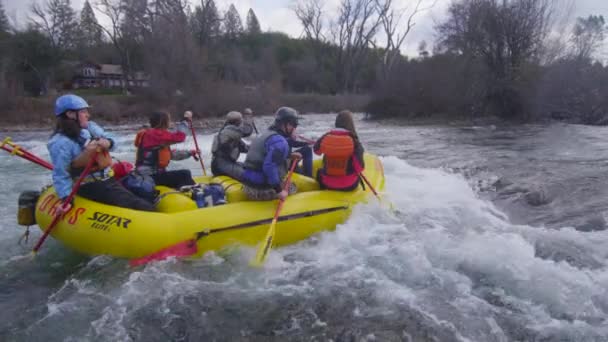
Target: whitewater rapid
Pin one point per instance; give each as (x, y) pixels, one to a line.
(447, 263)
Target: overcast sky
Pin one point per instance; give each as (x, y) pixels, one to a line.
(276, 15)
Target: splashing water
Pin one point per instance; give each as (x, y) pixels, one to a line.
(448, 265)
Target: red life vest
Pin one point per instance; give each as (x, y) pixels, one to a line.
(338, 149)
(153, 156)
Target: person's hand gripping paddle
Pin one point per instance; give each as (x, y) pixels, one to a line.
(266, 244)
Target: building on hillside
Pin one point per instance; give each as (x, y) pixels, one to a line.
(92, 75)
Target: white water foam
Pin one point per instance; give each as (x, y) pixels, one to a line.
(447, 255)
(456, 259)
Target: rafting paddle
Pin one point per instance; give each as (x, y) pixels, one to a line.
(359, 169)
(266, 244)
(198, 150)
(360, 173)
(362, 176)
(67, 200)
(23, 153)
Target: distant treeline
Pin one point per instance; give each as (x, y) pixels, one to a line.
(502, 58)
(491, 57)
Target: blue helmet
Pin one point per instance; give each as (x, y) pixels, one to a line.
(69, 102)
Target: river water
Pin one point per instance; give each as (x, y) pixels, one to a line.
(499, 235)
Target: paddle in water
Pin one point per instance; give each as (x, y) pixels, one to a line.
(359, 171)
(266, 244)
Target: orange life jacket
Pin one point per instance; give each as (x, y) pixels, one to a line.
(153, 156)
(338, 148)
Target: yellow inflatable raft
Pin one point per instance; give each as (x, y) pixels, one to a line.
(94, 229)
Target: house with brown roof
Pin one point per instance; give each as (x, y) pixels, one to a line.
(93, 75)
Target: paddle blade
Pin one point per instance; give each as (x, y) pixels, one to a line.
(182, 249)
(265, 246)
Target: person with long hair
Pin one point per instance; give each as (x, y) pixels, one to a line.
(154, 152)
(73, 143)
(342, 155)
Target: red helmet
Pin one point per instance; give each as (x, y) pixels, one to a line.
(121, 169)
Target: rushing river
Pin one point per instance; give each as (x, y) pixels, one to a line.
(500, 234)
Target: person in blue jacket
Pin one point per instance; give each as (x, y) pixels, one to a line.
(266, 162)
(72, 144)
(304, 149)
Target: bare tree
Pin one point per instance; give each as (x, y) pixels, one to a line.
(173, 56)
(588, 36)
(206, 22)
(57, 19)
(505, 35)
(497, 30)
(353, 32)
(173, 11)
(310, 15)
(116, 12)
(396, 32)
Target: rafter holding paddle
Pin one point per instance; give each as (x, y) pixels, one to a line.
(66, 203)
(266, 244)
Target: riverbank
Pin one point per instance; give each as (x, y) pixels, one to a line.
(26, 113)
(128, 112)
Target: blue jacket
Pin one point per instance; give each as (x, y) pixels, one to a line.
(63, 150)
(276, 152)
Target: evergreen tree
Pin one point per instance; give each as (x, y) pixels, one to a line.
(67, 25)
(88, 30)
(233, 26)
(206, 22)
(33, 57)
(4, 26)
(253, 25)
(134, 24)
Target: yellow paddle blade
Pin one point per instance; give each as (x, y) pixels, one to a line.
(265, 246)
(6, 140)
(385, 202)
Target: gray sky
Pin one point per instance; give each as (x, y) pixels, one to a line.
(276, 15)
